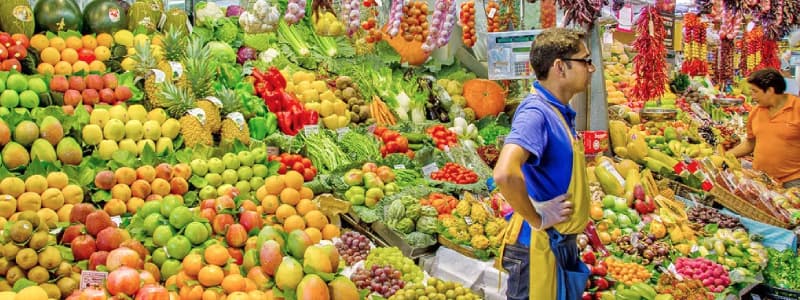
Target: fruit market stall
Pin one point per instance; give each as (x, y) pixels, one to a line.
(344, 150)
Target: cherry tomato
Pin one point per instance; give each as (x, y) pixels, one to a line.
(306, 162)
(308, 174)
(282, 169)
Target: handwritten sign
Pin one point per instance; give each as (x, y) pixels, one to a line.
(429, 169)
(399, 167)
(311, 129)
(92, 278)
(273, 151)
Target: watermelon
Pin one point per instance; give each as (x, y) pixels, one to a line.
(144, 15)
(105, 16)
(57, 15)
(16, 16)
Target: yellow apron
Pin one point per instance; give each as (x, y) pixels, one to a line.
(542, 268)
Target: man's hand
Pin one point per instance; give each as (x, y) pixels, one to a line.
(552, 212)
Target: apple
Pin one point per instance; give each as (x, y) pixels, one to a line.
(620, 204)
(215, 165)
(624, 220)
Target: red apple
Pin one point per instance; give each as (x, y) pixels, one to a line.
(97, 258)
(82, 247)
(250, 220)
(71, 232)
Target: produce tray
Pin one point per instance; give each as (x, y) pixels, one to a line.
(691, 193)
(775, 293)
(745, 208)
(364, 229)
(463, 250)
(393, 239)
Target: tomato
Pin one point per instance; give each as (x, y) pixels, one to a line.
(124, 280)
(308, 174)
(86, 55)
(282, 169)
(379, 130)
(306, 162)
(402, 144)
(298, 166)
(391, 147)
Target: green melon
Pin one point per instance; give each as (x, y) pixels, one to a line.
(105, 16)
(144, 15)
(16, 16)
(57, 15)
(177, 19)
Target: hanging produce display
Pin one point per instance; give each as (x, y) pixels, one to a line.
(492, 16)
(466, 19)
(753, 41)
(694, 46)
(581, 12)
(650, 65)
(548, 16)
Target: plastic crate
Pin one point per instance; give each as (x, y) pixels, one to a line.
(767, 292)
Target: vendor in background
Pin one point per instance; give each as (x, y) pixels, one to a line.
(542, 174)
(792, 84)
(773, 128)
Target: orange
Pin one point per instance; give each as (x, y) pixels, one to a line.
(304, 206)
(192, 292)
(210, 275)
(69, 55)
(63, 68)
(314, 234)
(45, 68)
(39, 42)
(294, 222)
(105, 39)
(58, 43)
(330, 231)
(73, 42)
(261, 192)
(97, 66)
(284, 211)
(210, 294)
(306, 193)
(80, 66)
(294, 180)
(216, 255)
(134, 204)
(50, 55)
(233, 283)
(270, 204)
(102, 53)
(182, 279)
(239, 295)
(316, 219)
(274, 185)
(89, 42)
(290, 196)
(192, 264)
(596, 212)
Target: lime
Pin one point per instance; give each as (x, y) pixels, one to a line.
(29, 99)
(178, 247)
(150, 207)
(168, 204)
(180, 216)
(196, 232)
(162, 235)
(170, 267)
(159, 256)
(151, 222)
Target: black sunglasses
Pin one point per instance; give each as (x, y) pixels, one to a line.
(586, 60)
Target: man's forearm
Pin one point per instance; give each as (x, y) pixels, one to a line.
(744, 148)
(514, 191)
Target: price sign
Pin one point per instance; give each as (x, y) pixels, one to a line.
(468, 220)
(117, 220)
(273, 151)
(311, 129)
(92, 278)
(429, 169)
(343, 130)
(399, 167)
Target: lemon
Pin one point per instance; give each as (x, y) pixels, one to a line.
(131, 51)
(124, 37)
(128, 64)
(102, 53)
(140, 38)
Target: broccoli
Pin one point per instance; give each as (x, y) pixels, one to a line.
(260, 41)
(227, 31)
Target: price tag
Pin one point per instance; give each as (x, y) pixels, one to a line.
(399, 167)
(371, 128)
(273, 151)
(311, 129)
(92, 278)
(117, 220)
(342, 131)
(625, 18)
(492, 12)
(750, 26)
(608, 37)
(427, 170)
(468, 220)
(160, 76)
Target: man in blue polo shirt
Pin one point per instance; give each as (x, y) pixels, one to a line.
(541, 169)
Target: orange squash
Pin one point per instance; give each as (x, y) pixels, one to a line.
(410, 52)
(485, 97)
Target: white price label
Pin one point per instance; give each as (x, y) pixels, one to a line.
(92, 278)
(429, 169)
(492, 12)
(750, 26)
(273, 151)
(608, 37)
(342, 131)
(371, 128)
(399, 167)
(160, 76)
(468, 220)
(311, 129)
(117, 220)
(177, 69)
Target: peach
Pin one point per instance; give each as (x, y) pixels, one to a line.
(134, 204)
(97, 221)
(77, 83)
(104, 180)
(125, 175)
(164, 171)
(94, 81)
(71, 232)
(73, 194)
(59, 83)
(123, 93)
(178, 186)
(73, 98)
(79, 212)
(90, 97)
(140, 188)
(160, 187)
(64, 212)
(107, 96)
(121, 192)
(109, 239)
(153, 197)
(115, 207)
(146, 173)
(97, 258)
(110, 80)
(182, 170)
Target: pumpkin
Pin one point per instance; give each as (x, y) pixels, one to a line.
(485, 97)
(410, 51)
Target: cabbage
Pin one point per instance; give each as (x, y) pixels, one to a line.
(234, 11)
(222, 52)
(427, 225)
(246, 53)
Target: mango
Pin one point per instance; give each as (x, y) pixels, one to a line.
(26, 132)
(107, 149)
(312, 287)
(332, 254)
(43, 150)
(289, 274)
(270, 256)
(51, 130)
(269, 233)
(69, 152)
(608, 181)
(14, 156)
(341, 288)
(315, 259)
(92, 134)
(297, 242)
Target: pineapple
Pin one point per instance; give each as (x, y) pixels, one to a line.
(145, 65)
(174, 51)
(179, 104)
(198, 78)
(234, 125)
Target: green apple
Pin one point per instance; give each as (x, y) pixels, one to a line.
(214, 179)
(208, 192)
(245, 173)
(215, 165)
(260, 170)
(246, 158)
(199, 167)
(231, 161)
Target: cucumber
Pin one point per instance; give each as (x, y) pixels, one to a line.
(416, 138)
(415, 147)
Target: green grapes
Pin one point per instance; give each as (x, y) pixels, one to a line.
(395, 258)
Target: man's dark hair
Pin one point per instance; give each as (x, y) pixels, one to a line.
(768, 78)
(553, 44)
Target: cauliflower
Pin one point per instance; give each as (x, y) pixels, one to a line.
(479, 242)
(449, 221)
(495, 241)
(475, 229)
(478, 214)
(463, 208)
(462, 237)
(207, 12)
(492, 228)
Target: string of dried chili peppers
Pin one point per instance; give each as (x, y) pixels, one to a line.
(725, 61)
(753, 43)
(769, 55)
(695, 50)
(649, 64)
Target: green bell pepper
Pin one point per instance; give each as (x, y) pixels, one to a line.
(261, 127)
